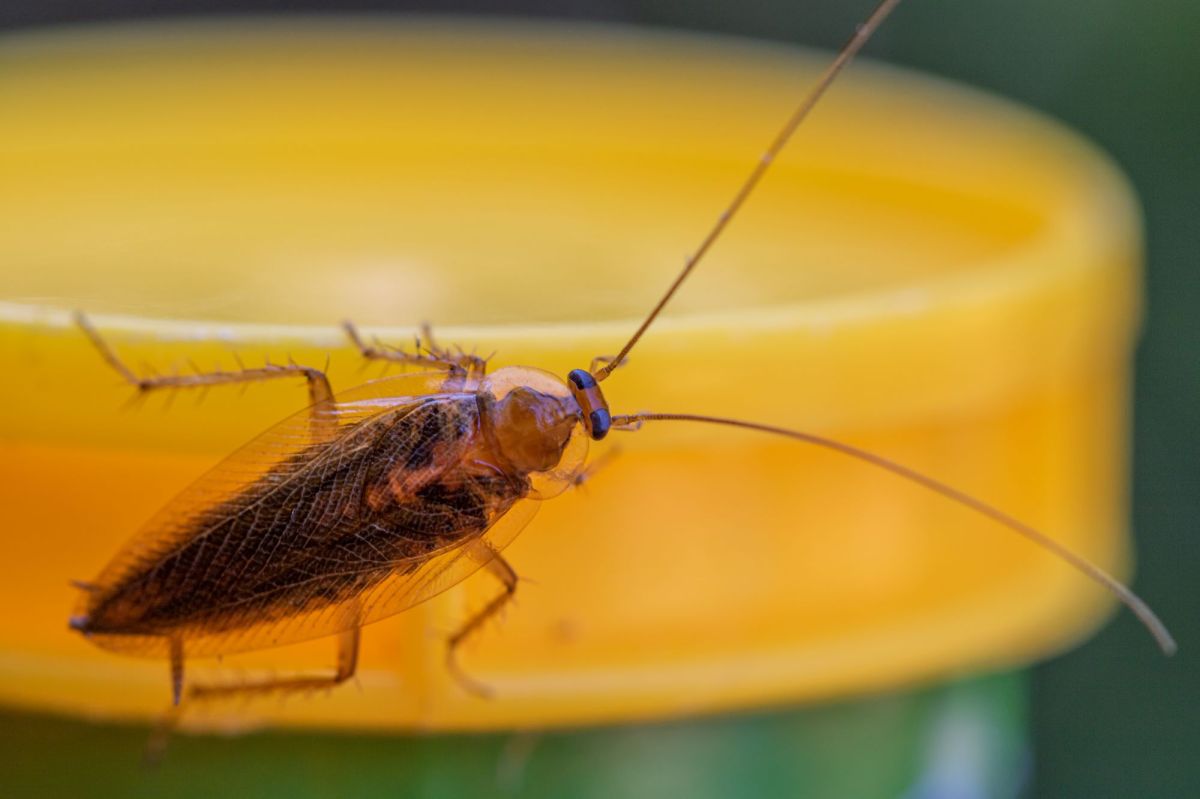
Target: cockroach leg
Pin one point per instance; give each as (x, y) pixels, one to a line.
(176, 647)
(427, 353)
(347, 665)
(474, 365)
(495, 563)
(596, 465)
(320, 393)
(157, 745)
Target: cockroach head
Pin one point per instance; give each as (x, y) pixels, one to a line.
(593, 407)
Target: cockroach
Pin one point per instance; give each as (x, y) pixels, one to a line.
(374, 500)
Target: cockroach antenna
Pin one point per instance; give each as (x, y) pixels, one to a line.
(861, 35)
(598, 420)
(1136, 604)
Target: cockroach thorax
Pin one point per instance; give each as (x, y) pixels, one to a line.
(531, 416)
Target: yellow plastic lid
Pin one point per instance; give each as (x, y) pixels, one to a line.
(928, 273)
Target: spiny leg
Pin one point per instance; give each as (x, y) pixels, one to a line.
(469, 362)
(496, 565)
(320, 393)
(427, 353)
(347, 664)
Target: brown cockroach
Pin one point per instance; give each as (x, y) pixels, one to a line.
(374, 500)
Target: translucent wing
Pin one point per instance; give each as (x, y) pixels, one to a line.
(398, 587)
(272, 451)
(292, 538)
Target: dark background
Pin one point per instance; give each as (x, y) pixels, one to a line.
(1112, 718)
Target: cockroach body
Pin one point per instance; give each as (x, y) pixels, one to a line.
(379, 498)
(362, 506)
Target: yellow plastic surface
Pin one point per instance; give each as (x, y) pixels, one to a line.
(934, 275)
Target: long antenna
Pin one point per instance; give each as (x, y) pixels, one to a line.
(861, 34)
(1131, 600)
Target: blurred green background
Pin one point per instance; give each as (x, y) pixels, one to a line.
(1112, 718)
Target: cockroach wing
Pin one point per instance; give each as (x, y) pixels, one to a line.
(281, 542)
(369, 593)
(401, 586)
(271, 452)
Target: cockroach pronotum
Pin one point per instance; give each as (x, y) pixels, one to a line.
(376, 499)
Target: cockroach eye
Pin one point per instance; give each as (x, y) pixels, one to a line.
(594, 407)
(598, 423)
